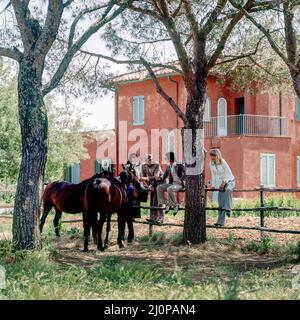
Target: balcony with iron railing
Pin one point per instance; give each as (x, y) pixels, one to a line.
(249, 125)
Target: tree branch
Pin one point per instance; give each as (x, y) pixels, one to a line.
(12, 53)
(147, 12)
(49, 33)
(160, 90)
(22, 14)
(67, 3)
(210, 23)
(245, 55)
(266, 32)
(170, 25)
(290, 37)
(64, 64)
(227, 33)
(177, 10)
(76, 20)
(131, 62)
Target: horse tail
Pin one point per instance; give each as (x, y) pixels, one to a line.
(47, 204)
(48, 191)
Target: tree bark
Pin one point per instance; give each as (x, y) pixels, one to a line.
(195, 221)
(34, 130)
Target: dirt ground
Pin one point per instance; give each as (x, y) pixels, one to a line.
(176, 257)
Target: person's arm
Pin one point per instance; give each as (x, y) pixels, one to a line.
(181, 171)
(166, 173)
(227, 170)
(212, 173)
(144, 176)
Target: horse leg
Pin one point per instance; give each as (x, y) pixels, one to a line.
(56, 221)
(94, 228)
(130, 229)
(100, 227)
(47, 208)
(107, 231)
(86, 231)
(121, 229)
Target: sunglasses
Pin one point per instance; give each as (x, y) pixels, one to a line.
(212, 155)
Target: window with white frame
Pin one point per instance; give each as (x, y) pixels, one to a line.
(207, 110)
(170, 142)
(298, 171)
(267, 170)
(138, 110)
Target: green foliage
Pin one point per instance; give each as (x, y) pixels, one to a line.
(66, 143)
(289, 201)
(263, 246)
(74, 232)
(36, 275)
(10, 147)
(267, 246)
(45, 275)
(230, 291)
(7, 197)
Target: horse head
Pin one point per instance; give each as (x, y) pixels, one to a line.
(128, 175)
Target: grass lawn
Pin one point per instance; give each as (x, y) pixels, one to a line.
(227, 266)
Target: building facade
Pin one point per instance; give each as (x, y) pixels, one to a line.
(258, 134)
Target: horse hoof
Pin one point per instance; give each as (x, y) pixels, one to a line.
(121, 246)
(101, 249)
(106, 246)
(85, 250)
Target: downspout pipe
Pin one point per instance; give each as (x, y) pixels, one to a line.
(280, 112)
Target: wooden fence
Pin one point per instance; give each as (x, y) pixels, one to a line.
(262, 209)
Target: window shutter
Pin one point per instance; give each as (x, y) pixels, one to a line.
(206, 115)
(141, 110)
(135, 110)
(97, 166)
(75, 173)
(268, 170)
(66, 174)
(271, 171)
(138, 110)
(263, 170)
(297, 107)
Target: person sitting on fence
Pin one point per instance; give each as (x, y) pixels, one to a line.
(219, 168)
(151, 173)
(175, 172)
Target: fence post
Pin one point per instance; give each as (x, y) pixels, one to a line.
(150, 229)
(262, 218)
(205, 201)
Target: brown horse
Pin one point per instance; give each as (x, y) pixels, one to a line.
(64, 197)
(107, 196)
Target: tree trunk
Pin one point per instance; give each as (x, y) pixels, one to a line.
(296, 82)
(195, 219)
(34, 131)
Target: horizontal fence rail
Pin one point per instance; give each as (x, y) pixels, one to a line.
(250, 125)
(181, 225)
(262, 209)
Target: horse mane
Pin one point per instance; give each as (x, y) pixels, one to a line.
(97, 175)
